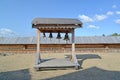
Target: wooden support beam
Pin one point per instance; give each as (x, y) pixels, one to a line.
(74, 58)
(38, 58)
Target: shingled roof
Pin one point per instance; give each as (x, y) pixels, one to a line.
(56, 21)
(78, 40)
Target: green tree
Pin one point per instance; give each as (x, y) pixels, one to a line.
(115, 34)
(103, 34)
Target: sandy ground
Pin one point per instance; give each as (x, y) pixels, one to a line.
(99, 66)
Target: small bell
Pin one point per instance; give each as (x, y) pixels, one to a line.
(44, 35)
(50, 35)
(66, 37)
(58, 36)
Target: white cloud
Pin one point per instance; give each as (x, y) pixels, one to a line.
(114, 6)
(117, 21)
(85, 18)
(109, 13)
(100, 17)
(97, 17)
(117, 12)
(93, 26)
(5, 32)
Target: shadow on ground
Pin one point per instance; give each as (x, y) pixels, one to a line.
(16, 75)
(88, 56)
(44, 60)
(82, 57)
(92, 73)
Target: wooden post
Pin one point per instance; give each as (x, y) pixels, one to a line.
(73, 45)
(74, 58)
(38, 58)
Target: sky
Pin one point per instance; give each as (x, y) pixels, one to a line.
(98, 16)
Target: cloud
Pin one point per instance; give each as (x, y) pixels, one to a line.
(97, 17)
(93, 27)
(85, 18)
(118, 12)
(114, 6)
(5, 32)
(100, 17)
(109, 13)
(117, 21)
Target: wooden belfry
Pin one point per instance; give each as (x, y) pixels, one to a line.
(56, 25)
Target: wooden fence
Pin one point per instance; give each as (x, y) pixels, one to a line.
(60, 48)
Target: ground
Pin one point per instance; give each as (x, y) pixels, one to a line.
(97, 66)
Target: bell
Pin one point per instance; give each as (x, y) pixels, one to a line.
(44, 35)
(58, 36)
(50, 36)
(66, 37)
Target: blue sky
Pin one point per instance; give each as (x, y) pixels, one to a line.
(98, 16)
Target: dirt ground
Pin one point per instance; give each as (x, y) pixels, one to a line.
(99, 66)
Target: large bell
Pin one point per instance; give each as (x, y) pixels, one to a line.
(66, 37)
(44, 35)
(58, 36)
(50, 35)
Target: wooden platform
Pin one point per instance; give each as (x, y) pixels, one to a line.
(56, 63)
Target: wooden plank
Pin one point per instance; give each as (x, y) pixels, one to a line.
(56, 63)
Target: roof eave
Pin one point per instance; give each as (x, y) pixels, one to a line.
(76, 25)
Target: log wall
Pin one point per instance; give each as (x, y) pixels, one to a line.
(60, 48)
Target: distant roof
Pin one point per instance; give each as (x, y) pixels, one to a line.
(56, 21)
(78, 40)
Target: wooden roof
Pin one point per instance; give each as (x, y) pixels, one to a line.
(56, 21)
(78, 40)
(64, 23)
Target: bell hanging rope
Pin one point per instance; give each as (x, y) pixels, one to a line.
(50, 35)
(58, 36)
(66, 37)
(44, 35)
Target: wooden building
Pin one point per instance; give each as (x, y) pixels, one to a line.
(95, 44)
